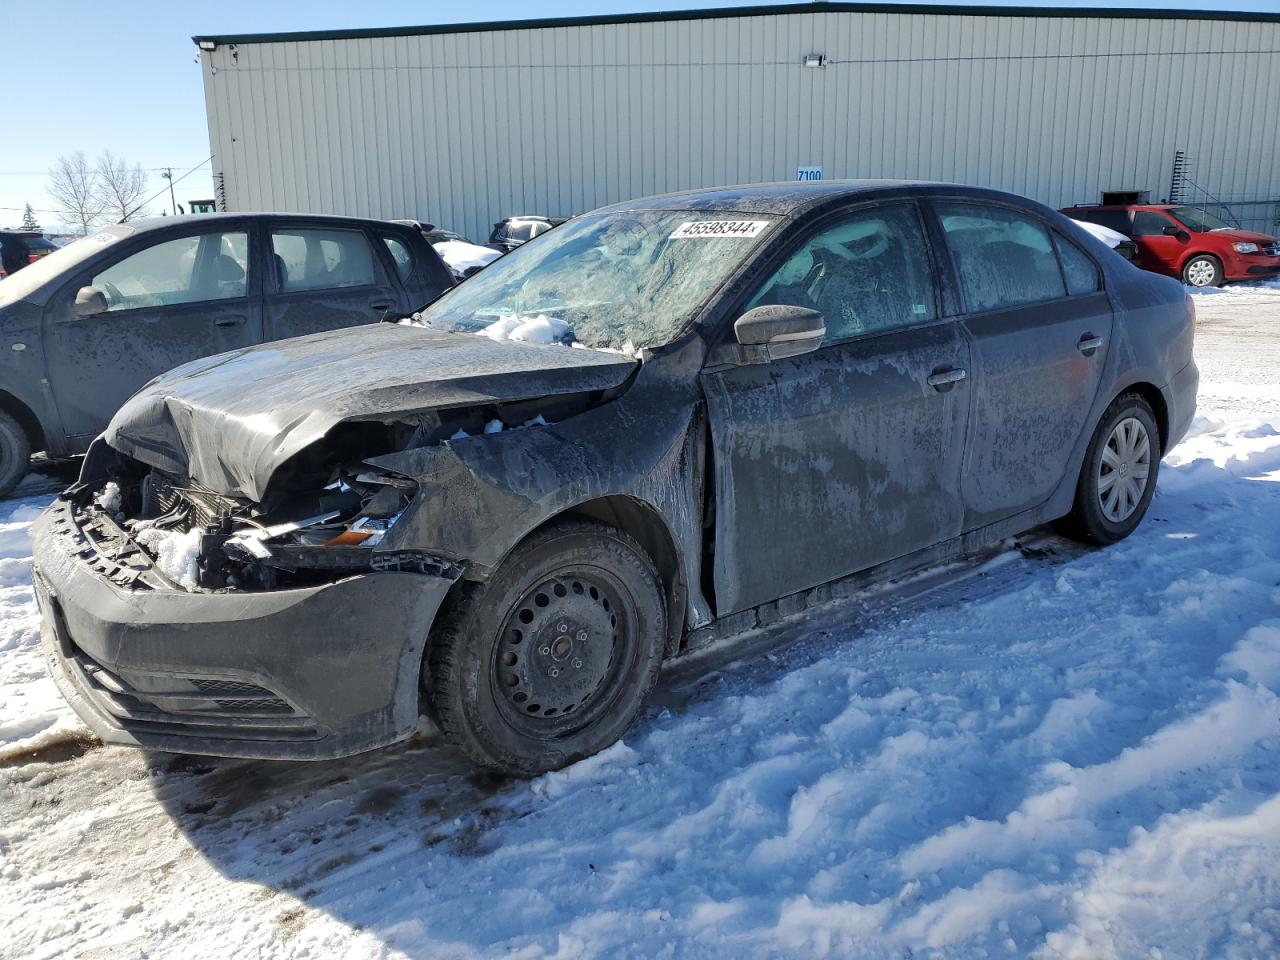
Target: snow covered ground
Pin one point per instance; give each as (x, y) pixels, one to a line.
(1044, 751)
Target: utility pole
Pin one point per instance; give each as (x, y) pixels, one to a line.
(168, 175)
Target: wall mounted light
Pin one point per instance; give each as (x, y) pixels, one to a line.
(815, 60)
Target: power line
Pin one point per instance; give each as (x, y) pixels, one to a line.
(45, 173)
(169, 186)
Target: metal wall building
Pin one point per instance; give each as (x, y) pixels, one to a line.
(464, 124)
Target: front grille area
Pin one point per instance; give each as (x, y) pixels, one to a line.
(1273, 250)
(161, 496)
(191, 706)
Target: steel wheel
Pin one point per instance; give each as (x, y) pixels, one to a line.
(564, 651)
(1124, 469)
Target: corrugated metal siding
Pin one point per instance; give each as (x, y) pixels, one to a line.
(464, 128)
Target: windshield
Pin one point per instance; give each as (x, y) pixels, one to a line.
(616, 280)
(29, 279)
(1199, 220)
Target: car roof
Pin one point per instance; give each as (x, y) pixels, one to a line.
(791, 197)
(156, 223)
(1122, 206)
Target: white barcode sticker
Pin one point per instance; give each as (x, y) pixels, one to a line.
(708, 229)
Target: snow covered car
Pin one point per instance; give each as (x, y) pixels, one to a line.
(460, 255)
(670, 421)
(1114, 239)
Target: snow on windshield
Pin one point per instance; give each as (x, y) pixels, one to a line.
(614, 281)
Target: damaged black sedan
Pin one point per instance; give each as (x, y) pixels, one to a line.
(665, 423)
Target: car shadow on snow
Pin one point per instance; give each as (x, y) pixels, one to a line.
(905, 726)
(321, 831)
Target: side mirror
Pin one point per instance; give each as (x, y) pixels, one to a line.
(90, 301)
(774, 331)
(1175, 231)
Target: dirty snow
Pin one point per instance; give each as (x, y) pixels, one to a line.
(109, 497)
(175, 551)
(1043, 751)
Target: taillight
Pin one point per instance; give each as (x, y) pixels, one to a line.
(32, 258)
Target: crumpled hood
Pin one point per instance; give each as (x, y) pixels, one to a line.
(230, 421)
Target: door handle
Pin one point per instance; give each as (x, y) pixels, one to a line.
(1089, 344)
(380, 305)
(943, 380)
(229, 321)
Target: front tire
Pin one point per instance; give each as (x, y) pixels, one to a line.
(1203, 270)
(552, 658)
(1119, 474)
(15, 453)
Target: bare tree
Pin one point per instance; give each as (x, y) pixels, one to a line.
(121, 187)
(74, 186)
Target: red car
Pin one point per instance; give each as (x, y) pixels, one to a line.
(1188, 243)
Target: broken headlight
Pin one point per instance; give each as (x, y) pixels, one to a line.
(350, 512)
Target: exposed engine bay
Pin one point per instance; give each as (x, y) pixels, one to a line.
(325, 515)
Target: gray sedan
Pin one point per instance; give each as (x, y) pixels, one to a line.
(89, 324)
(662, 424)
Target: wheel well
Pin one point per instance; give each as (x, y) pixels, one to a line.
(643, 522)
(26, 419)
(1153, 396)
(1192, 254)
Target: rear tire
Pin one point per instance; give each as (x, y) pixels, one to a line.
(15, 453)
(1203, 270)
(1118, 477)
(551, 659)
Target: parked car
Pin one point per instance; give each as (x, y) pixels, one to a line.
(510, 233)
(461, 256)
(1114, 239)
(779, 392)
(1188, 243)
(90, 323)
(29, 246)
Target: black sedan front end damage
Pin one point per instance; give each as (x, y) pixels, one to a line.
(239, 586)
(308, 671)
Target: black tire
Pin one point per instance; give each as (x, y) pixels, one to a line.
(1088, 521)
(15, 453)
(1194, 275)
(552, 658)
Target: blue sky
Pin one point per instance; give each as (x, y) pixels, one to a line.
(92, 75)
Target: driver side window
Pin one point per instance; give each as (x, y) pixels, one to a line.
(867, 273)
(207, 266)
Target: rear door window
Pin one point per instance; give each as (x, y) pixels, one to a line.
(1002, 258)
(321, 259)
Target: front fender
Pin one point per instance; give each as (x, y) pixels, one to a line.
(480, 496)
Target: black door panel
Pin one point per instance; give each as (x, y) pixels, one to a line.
(1036, 371)
(834, 461)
